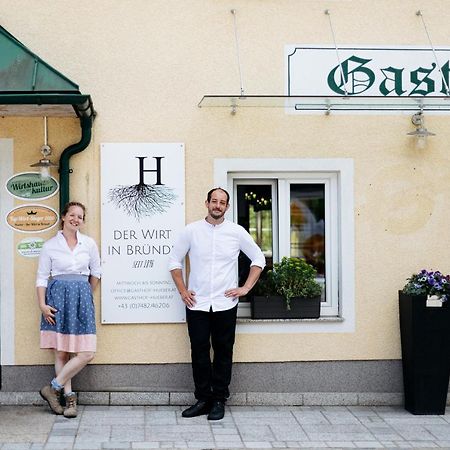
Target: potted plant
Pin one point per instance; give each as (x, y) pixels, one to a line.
(289, 291)
(424, 312)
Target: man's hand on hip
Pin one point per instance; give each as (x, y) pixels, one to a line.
(237, 292)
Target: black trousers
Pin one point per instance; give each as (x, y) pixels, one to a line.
(218, 329)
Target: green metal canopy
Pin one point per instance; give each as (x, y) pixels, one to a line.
(29, 86)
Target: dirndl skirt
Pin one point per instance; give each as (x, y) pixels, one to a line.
(75, 329)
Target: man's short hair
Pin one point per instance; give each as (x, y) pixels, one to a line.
(208, 198)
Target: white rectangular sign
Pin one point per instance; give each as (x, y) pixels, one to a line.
(368, 71)
(142, 189)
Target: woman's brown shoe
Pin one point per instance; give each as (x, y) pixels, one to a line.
(71, 406)
(51, 396)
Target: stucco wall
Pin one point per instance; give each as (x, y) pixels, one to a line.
(148, 63)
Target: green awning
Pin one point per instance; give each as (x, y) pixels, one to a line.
(29, 86)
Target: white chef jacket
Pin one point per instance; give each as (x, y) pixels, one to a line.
(213, 254)
(57, 258)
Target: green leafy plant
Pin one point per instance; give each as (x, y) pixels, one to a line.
(292, 277)
(428, 283)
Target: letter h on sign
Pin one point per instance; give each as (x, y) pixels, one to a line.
(157, 170)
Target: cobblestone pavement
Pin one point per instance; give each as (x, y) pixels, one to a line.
(144, 427)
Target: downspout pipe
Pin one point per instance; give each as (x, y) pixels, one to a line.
(86, 123)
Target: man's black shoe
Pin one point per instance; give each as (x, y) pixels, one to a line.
(217, 411)
(199, 409)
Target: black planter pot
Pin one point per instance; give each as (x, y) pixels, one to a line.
(425, 338)
(274, 307)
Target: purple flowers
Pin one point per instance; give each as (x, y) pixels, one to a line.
(429, 283)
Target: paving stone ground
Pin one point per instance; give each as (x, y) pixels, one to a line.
(244, 427)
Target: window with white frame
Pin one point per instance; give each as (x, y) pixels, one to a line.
(305, 213)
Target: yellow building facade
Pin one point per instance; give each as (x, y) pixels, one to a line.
(147, 65)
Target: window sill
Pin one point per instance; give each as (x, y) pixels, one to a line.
(330, 324)
(244, 320)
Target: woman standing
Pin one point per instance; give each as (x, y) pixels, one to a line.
(68, 272)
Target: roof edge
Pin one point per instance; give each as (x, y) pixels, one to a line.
(81, 103)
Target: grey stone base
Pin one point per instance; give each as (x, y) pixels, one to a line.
(344, 377)
(239, 399)
(282, 383)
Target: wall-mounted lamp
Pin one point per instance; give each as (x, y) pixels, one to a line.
(421, 133)
(45, 164)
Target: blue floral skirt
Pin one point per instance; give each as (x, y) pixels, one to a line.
(75, 329)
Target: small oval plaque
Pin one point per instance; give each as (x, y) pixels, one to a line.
(30, 186)
(30, 247)
(32, 218)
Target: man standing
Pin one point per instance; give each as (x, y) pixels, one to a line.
(213, 245)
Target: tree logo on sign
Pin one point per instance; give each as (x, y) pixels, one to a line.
(143, 200)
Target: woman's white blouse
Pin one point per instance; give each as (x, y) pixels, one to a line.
(57, 258)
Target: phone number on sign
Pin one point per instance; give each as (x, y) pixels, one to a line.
(143, 305)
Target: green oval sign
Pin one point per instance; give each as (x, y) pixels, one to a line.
(30, 247)
(30, 185)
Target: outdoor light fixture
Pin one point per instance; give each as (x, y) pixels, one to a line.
(421, 133)
(45, 164)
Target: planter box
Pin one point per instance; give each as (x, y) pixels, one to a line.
(425, 339)
(274, 307)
